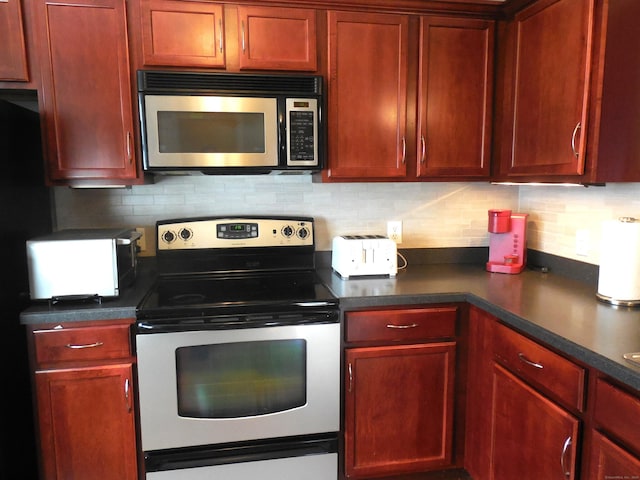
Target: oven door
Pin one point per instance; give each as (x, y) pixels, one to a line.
(218, 386)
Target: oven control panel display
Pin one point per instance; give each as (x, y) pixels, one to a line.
(237, 230)
(234, 232)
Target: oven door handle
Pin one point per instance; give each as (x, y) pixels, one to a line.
(223, 323)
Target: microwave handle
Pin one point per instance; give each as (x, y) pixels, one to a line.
(131, 237)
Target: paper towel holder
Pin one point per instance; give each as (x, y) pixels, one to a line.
(617, 302)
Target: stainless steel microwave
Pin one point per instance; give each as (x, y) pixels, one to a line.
(230, 123)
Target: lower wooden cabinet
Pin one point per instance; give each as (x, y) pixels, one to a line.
(609, 461)
(87, 429)
(532, 437)
(399, 399)
(615, 443)
(83, 379)
(525, 406)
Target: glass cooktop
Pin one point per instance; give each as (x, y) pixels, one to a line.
(177, 296)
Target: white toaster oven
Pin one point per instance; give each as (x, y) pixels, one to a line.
(81, 263)
(362, 255)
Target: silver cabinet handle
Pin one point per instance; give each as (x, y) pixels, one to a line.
(350, 376)
(220, 35)
(243, 43)
(411, 325)
(126, 394)
(565, 448)
(424, 148)
(529, 362)
(573, 139)
(87, 345)
(404, 150)
(129, 156)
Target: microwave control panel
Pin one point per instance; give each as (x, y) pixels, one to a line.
(302, 131)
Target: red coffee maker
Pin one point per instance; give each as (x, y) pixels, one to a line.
(507, 241)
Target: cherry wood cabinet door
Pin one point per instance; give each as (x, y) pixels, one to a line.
(86, 423)
(13, 53)
(399, 408)
(550, 82)
(455, 97)
(277, 38)
(609, 461)
(182, 33)
(368, 60)
(531, 437)
(86, 97)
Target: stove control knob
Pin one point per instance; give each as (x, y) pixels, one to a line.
(303, 232)
(168, 236)
(185, 234)
(287, 231)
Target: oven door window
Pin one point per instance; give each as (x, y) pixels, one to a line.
(230, 380)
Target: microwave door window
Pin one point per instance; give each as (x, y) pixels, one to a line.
(234, 380)
(211, 132)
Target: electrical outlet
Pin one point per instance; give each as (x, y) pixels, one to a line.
(394, 230)
(582, 242)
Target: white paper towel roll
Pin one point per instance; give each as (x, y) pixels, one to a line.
(619, 278)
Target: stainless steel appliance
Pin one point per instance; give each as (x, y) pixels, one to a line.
(238, 349)
(81, 263)
(231, 123)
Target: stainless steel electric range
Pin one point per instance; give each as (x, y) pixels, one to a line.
(238, 347)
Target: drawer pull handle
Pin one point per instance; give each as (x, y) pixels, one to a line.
(565, 448)
(88, 345)
(529, 362)
(411, 325)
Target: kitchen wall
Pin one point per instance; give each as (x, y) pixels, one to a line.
(433, 214)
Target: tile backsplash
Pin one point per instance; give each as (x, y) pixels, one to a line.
(432, 214)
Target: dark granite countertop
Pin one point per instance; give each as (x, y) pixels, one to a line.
(557, 310)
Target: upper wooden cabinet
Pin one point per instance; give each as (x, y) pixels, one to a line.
(13, 54)
(277, 39)
(568, 104)
(455, 97)
(372, 101)
(549, 88)
(182, 33)
(368, 65)
(86, 98)
(191, 33)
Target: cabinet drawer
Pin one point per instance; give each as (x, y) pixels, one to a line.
(82, 343)
(618, 412)
(400, 325)
(561, 378)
